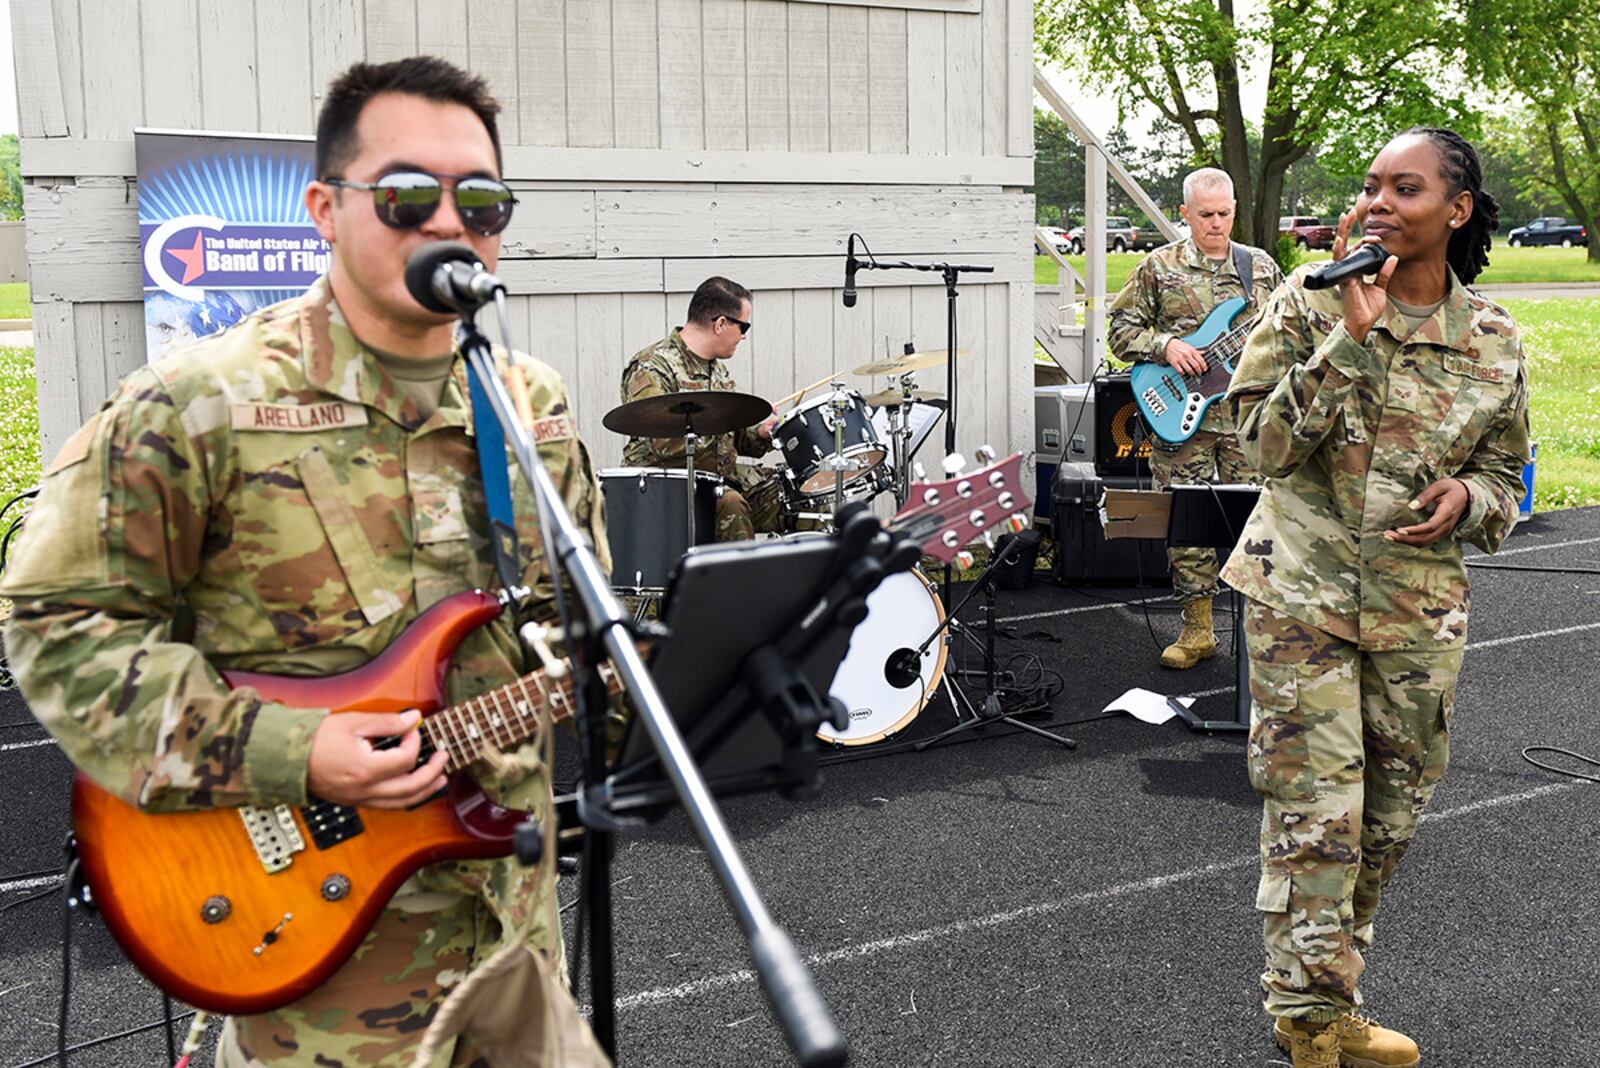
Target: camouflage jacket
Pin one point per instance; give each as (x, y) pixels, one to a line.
(1170, 294)
(267, 500)
(1348, 434)
(669, 367)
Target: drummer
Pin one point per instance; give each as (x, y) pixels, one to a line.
(692, 358)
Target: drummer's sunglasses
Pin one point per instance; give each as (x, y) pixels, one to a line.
(744, 327)
(407, 199)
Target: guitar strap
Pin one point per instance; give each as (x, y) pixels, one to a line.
(1242, 264)
(496, 474)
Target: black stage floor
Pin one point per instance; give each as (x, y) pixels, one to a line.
(1006, 902)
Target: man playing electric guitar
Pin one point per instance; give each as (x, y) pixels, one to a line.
(1171, 293)
(285, 498)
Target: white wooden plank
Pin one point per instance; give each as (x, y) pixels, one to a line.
(682, 88)
(599, 358)
(55, 358)
(290, 93)
(644, 322)
(553, 334)
(69, 61)
(848, 79)
(113, 84)
(852, 336)
(1019, 363)
(442, 31)
(668, 224)
(766, 46)
(337, 40)
(74, 282)
(543, 277)
(772, 360)
(492, 54)
(228, 80)
(968, 6)
(122, 334)
(963, 85)
(722, 39)
(591, 120)
(996, 81)
(636, 74)
(541, 44)
(81, 225)
(813, 336)
(1019, 76)
(925, 83)
(91, 357)
(891, 326)
(391, 29)
(808, 79)
(170, 52)
(41, 107)
(825, 272)
(886, 76)
(548, 224)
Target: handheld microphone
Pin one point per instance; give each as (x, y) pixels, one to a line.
(850, 274)
(448, 277)
(1364, 260)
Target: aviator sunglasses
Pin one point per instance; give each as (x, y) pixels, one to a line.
(407, 199)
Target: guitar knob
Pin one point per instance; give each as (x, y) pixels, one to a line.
(336, 887)
(216, 909)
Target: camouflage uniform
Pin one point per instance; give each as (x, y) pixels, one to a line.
(1169, 295)
(268, 500)
(1355, 641)
(748, 504)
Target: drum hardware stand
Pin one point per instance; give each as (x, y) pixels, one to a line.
(991, 710)
(600, 632)
(690, 440)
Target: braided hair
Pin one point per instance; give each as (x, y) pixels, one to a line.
(1468, 251)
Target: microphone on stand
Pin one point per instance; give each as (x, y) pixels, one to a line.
(850, 274)
(1364, 260)
(448, 277)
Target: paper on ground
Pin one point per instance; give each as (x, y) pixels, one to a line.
(1146, 705)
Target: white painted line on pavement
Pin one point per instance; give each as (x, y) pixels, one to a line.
(1532, 548)
(34, 744)
(29, 884)
(743, 976)
(1489, 643)
(1073, 611)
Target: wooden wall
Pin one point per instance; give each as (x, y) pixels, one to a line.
(653, 143)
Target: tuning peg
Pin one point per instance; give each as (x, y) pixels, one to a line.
(919, 472)
(986, 455)
(954, 463)
(988, 539)
(538, 636)
(963, 560)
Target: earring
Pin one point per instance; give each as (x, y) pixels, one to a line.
(1455, 222)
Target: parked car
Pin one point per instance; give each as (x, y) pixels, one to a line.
(1058, 238)
(1074, 241)
(1307, 230)
(1122, 235)
(1550, 230)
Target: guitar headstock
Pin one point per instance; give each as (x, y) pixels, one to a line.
(946, 515)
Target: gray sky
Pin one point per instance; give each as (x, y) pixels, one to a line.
(8, 75)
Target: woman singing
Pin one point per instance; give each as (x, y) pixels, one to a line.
(1391, 419)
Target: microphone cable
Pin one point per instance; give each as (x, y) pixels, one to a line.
(1569, 772)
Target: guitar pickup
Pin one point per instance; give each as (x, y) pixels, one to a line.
(331, 824)
(1153, 401)
(273, 835)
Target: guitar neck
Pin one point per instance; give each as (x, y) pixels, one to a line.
(503, 718)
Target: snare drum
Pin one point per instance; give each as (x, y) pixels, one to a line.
(901, 613)
(805, 437)
(646, 524)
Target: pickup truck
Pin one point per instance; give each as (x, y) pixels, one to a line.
(1121, 235)
(1550, 230)
(1307, 231)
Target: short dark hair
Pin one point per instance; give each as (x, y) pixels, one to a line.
(428, 77)
(716, 297)
(1468, 250)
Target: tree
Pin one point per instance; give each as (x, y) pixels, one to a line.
(1057, 171)
(1344, 75)
(1546, 51)
(10, 178)
(1517, 167)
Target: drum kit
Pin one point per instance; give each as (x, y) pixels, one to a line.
(836, 448)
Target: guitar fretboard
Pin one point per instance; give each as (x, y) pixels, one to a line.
(503, 718)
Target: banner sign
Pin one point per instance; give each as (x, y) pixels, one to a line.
(223, 230)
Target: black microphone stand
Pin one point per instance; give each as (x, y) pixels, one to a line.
(603, 634)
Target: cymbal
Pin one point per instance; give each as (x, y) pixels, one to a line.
(711, 412)
(889, 398)
(913, 361)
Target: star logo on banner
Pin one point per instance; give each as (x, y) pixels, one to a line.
(193, 259)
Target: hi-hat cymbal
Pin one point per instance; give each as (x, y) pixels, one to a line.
(911, 361)
(711, 411)
(888, 398)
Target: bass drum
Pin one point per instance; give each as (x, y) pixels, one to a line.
(901, 613)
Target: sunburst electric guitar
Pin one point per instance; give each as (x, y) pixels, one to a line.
(1172, 403)
(242, 910)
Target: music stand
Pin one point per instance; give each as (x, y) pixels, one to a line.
(1212, 517)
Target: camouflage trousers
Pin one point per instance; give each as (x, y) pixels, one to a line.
(742, 512)
(1212, 455)
(1346, 748)
(373, 1012)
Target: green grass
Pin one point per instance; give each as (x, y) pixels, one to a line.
(1564, 408)
(19, 433)
(14, 302)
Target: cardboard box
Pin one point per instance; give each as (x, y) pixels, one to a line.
(1137, 513)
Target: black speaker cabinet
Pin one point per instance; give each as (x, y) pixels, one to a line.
(1121, 440)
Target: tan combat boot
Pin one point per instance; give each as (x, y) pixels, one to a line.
(1197, 642)
(1308, 1045)
(1362, 1043)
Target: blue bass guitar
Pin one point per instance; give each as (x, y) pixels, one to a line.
(1173, 404)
